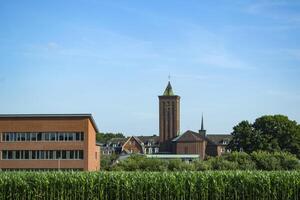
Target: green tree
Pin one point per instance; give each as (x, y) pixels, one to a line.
(245, 138)
(268, 133)
(104, 137)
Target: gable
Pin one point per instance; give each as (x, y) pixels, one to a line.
(188, 136)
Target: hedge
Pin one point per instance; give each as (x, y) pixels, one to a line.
(274, 185)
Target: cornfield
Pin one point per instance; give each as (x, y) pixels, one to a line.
(277, 185)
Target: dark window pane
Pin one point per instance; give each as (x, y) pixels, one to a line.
(9, 154)
(47, 136)
(66, 136)
(4, 154)
(82, 136)
(70, 136)
(50, 154)
(27, 136)
(17, 154)
(33, 136)
(61, 136)
(42, 154)
(58, 154)
(64, 154)
(26, 154)
(39, 136)
(77, 136)
(71, 154)
(33, 155)
(80, 154)
(23, 136)
(52, 137)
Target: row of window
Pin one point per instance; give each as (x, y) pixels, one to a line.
(42, 154)
(42, 136)
(151, 150)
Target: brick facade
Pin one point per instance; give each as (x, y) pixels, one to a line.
(26, 124)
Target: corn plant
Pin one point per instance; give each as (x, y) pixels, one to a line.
(208, 185)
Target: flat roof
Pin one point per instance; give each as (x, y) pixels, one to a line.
(52, 116)
(173, 156)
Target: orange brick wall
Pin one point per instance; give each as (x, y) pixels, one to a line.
(133, 145)
(89, 163)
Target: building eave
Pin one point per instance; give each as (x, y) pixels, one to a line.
(52, 116)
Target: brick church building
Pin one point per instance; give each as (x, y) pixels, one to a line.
(170, 141)
(190, 142)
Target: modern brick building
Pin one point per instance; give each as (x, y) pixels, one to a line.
(49, 142)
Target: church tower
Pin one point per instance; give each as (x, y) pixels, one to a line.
(169, 118)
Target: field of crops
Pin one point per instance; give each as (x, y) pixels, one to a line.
(150, 185)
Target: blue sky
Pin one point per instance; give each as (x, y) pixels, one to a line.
(231, 60)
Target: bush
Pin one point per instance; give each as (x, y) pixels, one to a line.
(243, 160)
(287, 160)
(219, 163)
(178, 165)
(231, 161)
(266, 161)
(201, 165)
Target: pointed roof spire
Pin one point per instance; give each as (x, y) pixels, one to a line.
(202, 124)
(168, 90)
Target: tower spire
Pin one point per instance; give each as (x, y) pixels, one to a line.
(202, 131)
(202, 124)
(168, 90)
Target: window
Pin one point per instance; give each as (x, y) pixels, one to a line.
(17, 155)
(61, 136)
(4, 154)
(58, 154)
(39, 136)
(33, 155)
(47, 136)
(51, 155)
(77, 136)
(70, 135)
(80, 154)
(72, 154)
(26, 155)
(52, 136)
(27, 136)
(66, 135)
(42, 136)
(67, 154)
(64, 154)
(18, 136)
(33, 136)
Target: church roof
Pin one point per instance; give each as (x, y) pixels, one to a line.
(215, 139)
(168, 90)
(219, 139)
(189, 136)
